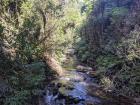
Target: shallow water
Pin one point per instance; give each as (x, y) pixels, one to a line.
(75, 88)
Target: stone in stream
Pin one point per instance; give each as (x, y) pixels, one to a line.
(83, 68)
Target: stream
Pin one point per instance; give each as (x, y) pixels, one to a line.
(76, 88)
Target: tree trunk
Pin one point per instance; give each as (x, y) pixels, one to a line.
(53, 64)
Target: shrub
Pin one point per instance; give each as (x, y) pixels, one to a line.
(129, 48)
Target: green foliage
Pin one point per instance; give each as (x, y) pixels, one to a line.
(27, 39)
(25, 84)
(106, 61)
(113, 29)
(88, 6)
(128, 80)
(119, 11)
(18, 98)
(26, 9)
(32, 28)
(117, 16)
(124, 80)
(64, 37)
(129, 46)
(82, 51)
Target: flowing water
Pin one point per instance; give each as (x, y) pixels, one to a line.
(76, 88)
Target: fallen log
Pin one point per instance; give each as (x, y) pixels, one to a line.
(53, 64)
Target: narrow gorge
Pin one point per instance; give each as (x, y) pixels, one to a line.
(69, 52)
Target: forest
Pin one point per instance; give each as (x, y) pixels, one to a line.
(69, 52)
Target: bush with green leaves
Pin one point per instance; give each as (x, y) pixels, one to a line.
(82, 51)
(103, 62)
(106, 61)
(25, 84)
(126, 80)
(129, 48)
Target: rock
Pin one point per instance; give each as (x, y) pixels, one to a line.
(92, 73)
(71, 51)
(83, 68)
